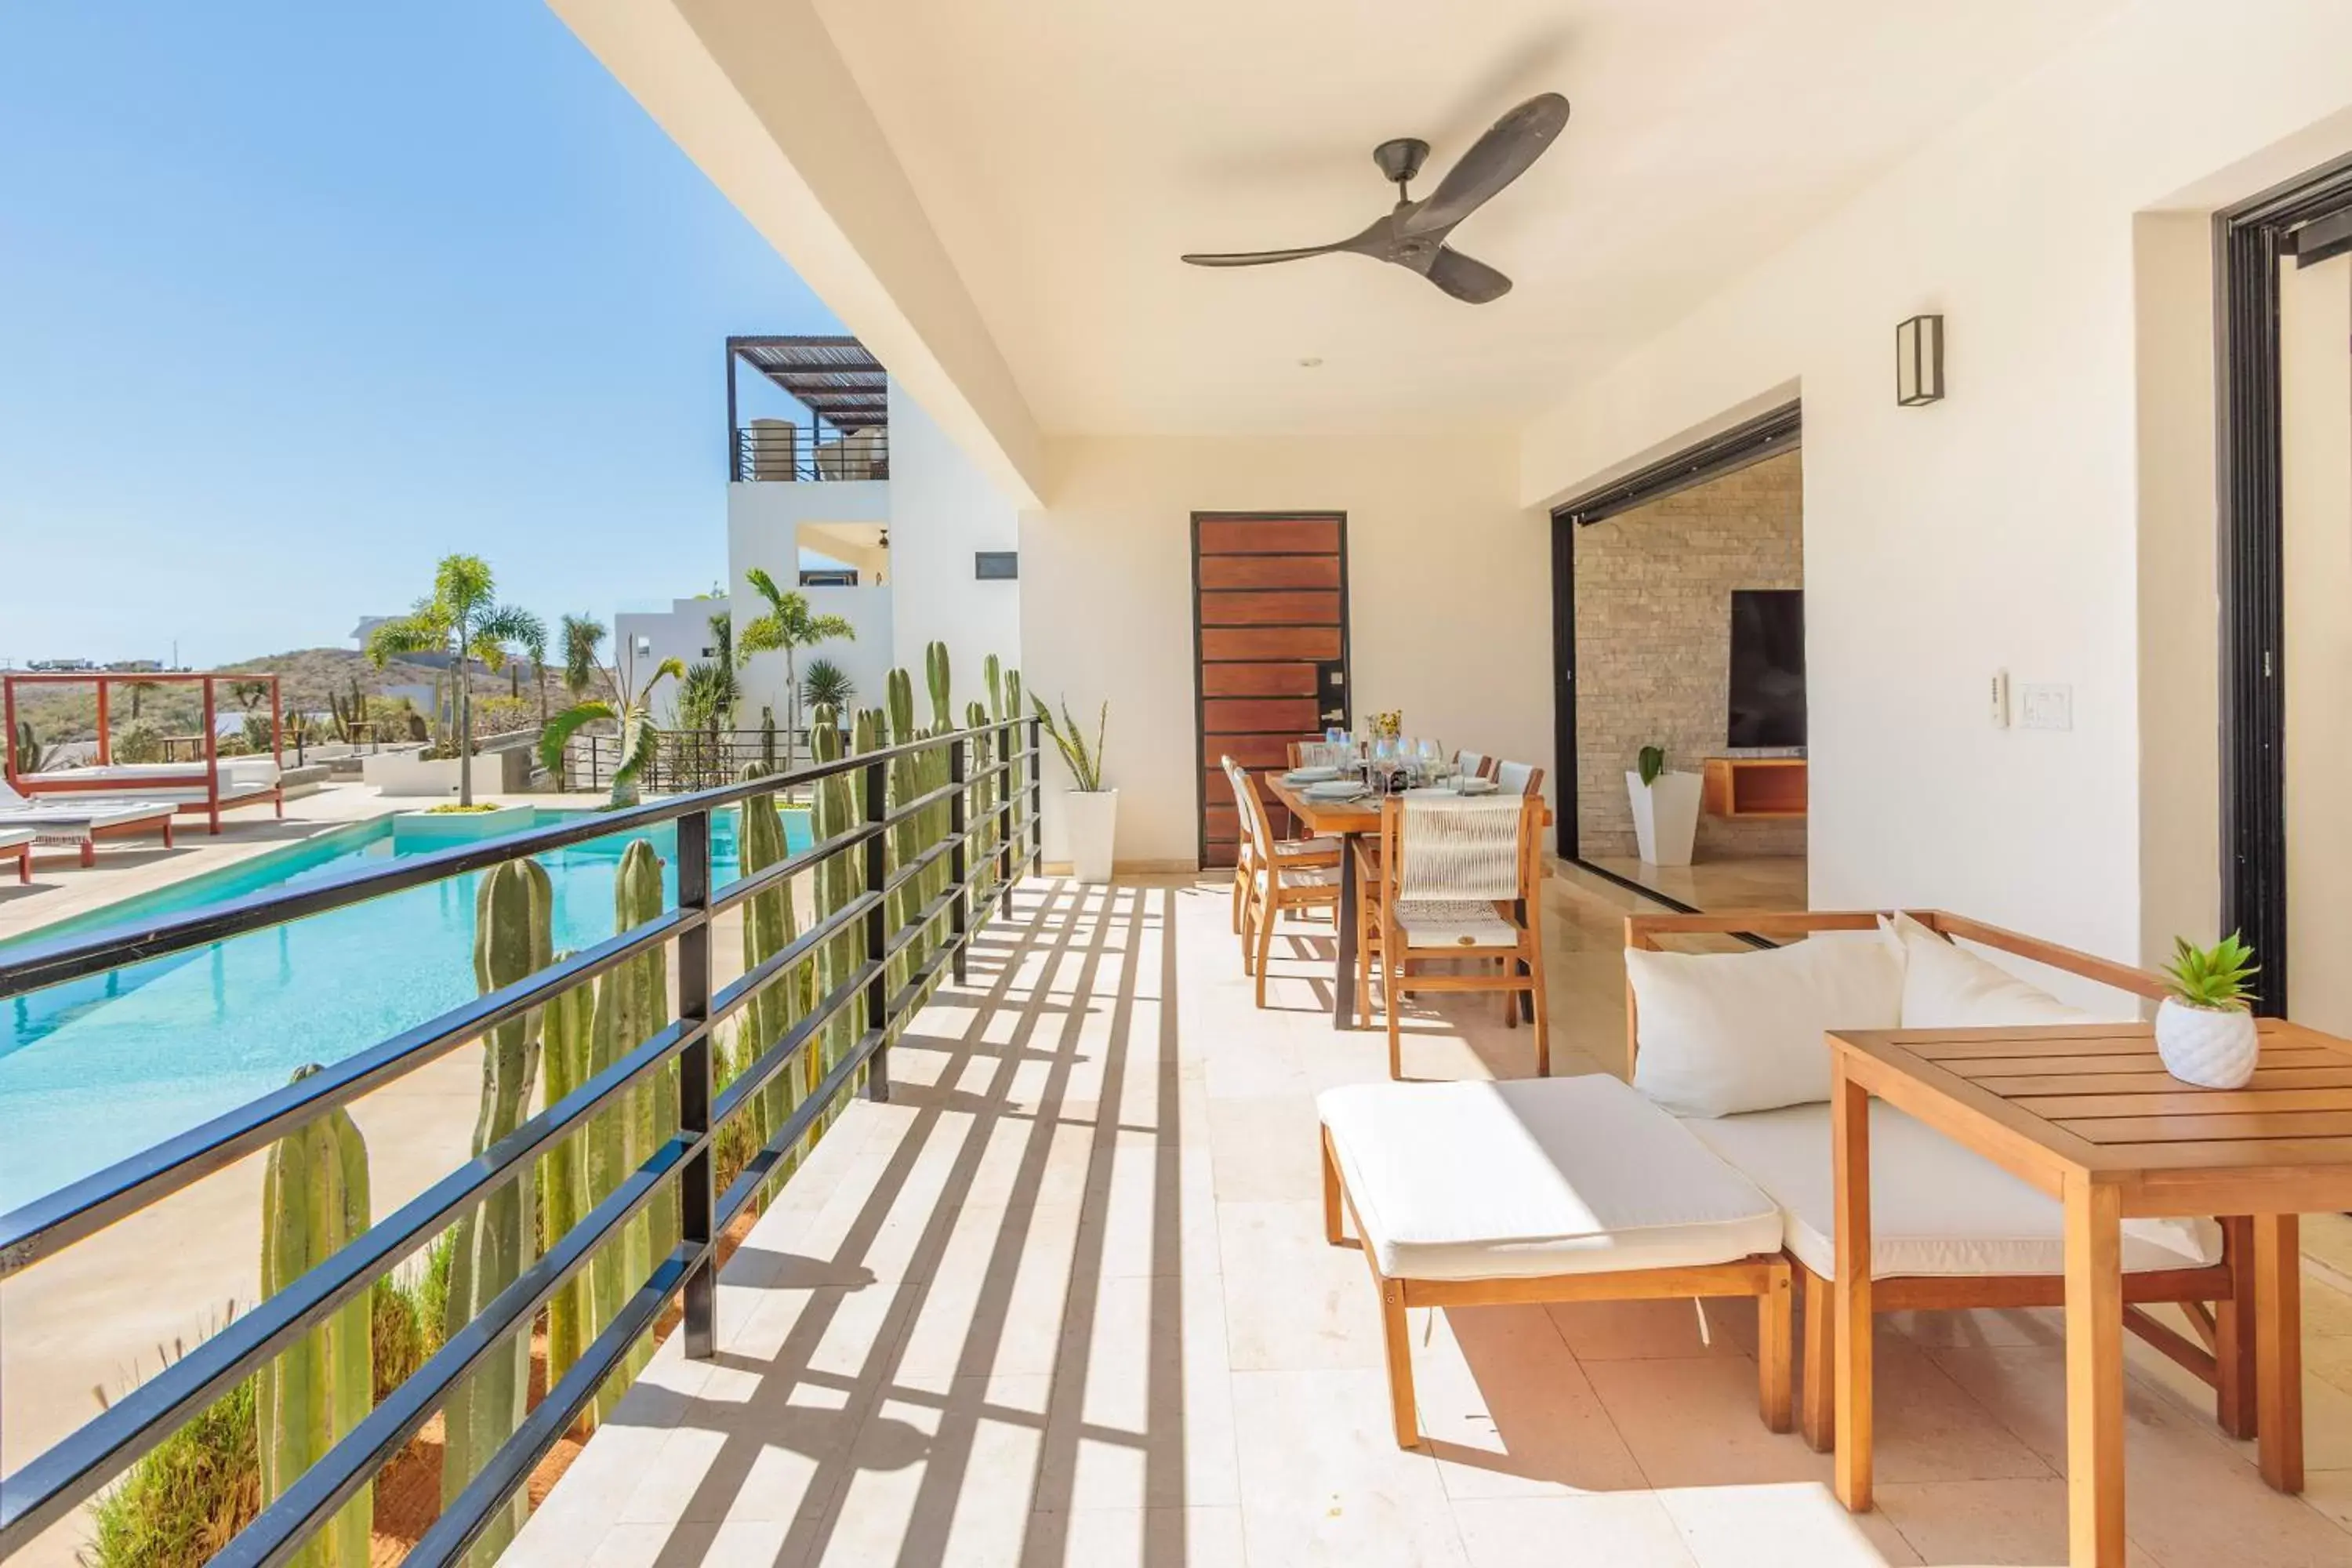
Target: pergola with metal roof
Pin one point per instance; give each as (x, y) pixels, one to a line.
(835, 378)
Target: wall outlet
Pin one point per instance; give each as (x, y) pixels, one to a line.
(2045, 707)
(2000, 700)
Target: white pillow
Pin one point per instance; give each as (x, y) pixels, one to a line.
(1721, 1033)
(1945, 986)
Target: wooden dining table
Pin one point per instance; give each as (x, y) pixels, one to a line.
(1348, 821)
(2091, 1117)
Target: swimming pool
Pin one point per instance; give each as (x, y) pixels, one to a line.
(95, 1071)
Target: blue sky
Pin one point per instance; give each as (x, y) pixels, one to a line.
(297, 297)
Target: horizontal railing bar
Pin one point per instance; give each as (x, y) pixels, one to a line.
(779, 1054)
(45, 963)
(921, 863)
(57, 1480)
(921, 803)
(754, 883)
(462, 1521)
(791, 955)
(738, 1192)
(58, 1219)
(279, 1534)
(907, 934)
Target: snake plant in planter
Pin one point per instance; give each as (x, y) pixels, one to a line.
(2205, 1029)
(1666, 809)
(1090, 810)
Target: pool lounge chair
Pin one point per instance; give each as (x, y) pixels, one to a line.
(80, 823)
(18, 841)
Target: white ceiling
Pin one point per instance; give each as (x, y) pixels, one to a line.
(1067, 150)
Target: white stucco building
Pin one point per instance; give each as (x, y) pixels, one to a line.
(859, 501)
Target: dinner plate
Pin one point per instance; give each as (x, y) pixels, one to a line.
(1310, 776)
(1475, 786)
(1335, 789)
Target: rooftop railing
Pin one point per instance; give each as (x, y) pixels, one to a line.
(778, 450)
(883, 953)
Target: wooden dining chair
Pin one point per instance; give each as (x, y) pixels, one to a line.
(1454, 873)
(1474, 764)
(1519, 778)
(1281, 875)
(1248, 858)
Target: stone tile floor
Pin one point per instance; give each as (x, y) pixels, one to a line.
(1065, 1300)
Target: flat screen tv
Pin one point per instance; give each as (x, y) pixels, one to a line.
(1768, 668)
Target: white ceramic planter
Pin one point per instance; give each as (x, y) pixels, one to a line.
(1665, 816)
(1092, 819)
(2212, 1047)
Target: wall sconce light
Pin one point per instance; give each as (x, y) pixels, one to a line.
(1919, 361)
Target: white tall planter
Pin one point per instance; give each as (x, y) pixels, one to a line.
(1665, 816)
(1092, 819)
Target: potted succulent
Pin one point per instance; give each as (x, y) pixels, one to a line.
(1666, 809)
(1090, 810)
(2205, 1029)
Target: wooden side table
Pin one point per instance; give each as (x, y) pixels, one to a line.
(2093, 1119)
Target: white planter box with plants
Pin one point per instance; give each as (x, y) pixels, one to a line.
(2205, 1030)
(1090, 811)
(1666, 809)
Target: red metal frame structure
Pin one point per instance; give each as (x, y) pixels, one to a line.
(105, 681)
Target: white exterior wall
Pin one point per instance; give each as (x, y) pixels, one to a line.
(681, 632)
(763, 525)
(866, 658)
(2002, 528)
(1435, 539)
(943, 509)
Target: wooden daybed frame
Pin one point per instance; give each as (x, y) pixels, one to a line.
(2218, 1299)
(1767, 1277)
(211, 800)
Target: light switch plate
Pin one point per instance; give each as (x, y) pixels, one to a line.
(2000, 700)
(2043, 706)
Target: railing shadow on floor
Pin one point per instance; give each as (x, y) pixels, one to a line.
(1050, 964)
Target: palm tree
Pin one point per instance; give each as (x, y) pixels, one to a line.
(722, 644)
(828, 686)
(786, 628)
(534, 647)
(640, 741)
(462, 618)
(583, 637)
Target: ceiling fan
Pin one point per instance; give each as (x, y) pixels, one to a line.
(1413, 233)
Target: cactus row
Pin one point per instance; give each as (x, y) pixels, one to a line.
(499, 1238)
(314, 1200)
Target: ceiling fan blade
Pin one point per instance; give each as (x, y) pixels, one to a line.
(1260, 258)
(1467, 278)
(1494, 161)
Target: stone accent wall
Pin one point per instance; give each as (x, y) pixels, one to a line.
(1654, 641)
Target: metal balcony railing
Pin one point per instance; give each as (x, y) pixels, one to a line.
(883, 947)
(779, 449)
(684, 760)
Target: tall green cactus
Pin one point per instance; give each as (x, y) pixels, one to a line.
(770, 924)
(564, 1193)
(906, 835)
(1017, 780)
(499, 1240)
(314, 1201)
(980, 857)
(935, 674)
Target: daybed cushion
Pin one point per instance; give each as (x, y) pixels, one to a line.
(1721, 1033)
(1529, 1176)
(1945, 986)
(1936, 1208)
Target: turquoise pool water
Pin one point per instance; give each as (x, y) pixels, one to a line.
(96, 1071)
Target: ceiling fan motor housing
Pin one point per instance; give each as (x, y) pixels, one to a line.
(1400, 160)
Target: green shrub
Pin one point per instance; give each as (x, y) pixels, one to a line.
(141, 743)
(177, 1507)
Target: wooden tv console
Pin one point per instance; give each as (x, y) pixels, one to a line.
(1753, 786)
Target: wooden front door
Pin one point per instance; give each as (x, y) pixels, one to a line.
(1270, 630)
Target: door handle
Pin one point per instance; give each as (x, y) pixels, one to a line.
(1334, 715)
